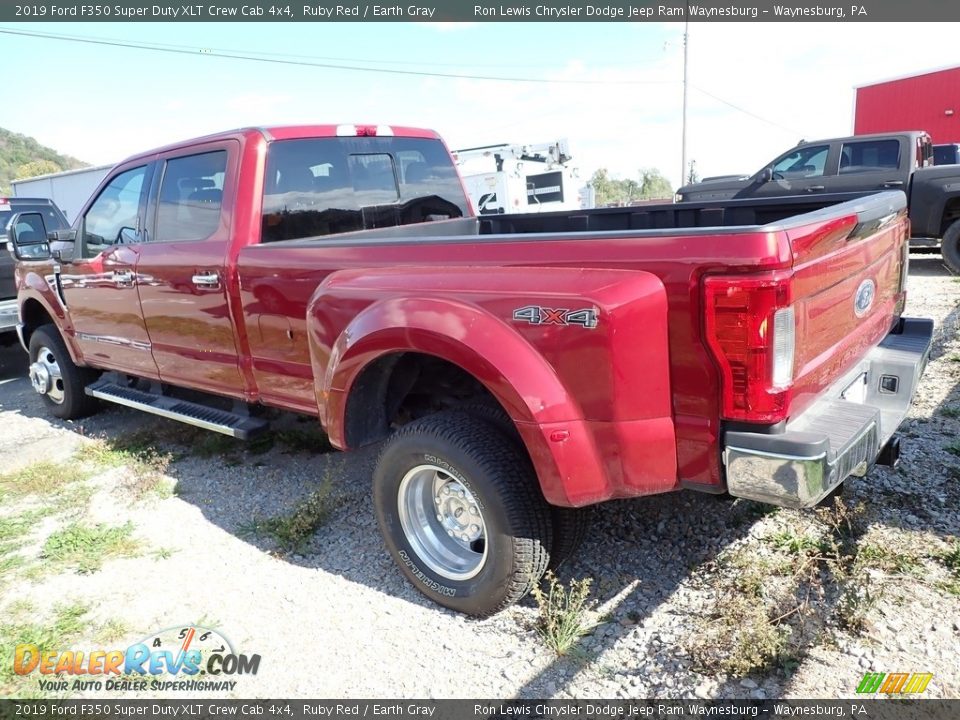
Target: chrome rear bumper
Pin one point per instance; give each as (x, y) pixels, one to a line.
(836, 437)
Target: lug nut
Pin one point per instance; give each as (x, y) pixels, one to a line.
(450, 533)
(474, 529)
(439, 518)
(473, 510)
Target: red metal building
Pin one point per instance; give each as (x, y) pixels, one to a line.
(927, 101)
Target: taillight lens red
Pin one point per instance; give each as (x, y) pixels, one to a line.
(750, 330)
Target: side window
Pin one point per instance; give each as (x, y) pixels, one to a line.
(191, 194)
(802, 163)
(869, 156)
(114, 216)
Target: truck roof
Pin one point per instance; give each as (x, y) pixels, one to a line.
(296, 132)
(872, 136)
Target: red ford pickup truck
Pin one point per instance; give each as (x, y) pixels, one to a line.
(517, 368)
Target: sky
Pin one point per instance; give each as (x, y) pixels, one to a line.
(613, 90)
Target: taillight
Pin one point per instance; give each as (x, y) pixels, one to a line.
(751, 331)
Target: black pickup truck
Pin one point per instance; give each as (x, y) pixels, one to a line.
(858, 164)
(53, 220)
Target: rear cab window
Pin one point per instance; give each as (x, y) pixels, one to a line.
(191, 196)
(869, 156)
(325, 186)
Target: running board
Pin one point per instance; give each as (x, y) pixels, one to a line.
(220, 421)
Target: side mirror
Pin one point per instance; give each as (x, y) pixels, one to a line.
(766, 175)
(27, 237)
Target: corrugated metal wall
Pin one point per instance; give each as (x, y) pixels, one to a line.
(928, 102)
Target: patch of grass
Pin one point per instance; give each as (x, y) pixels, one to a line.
(293, 530)
(951, 559)
(953, 448)
(85, 547)
(871, 555)
(42, 478)
(798, 543)
(136, 452)
(67, 623)
(311, 439)
(951, 587)
(950, 411)
(566, 613)
(211, 444)
(11, 562)
(111, 631)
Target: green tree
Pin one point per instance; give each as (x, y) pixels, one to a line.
(610, 191)
(37, 167)
(653, 185)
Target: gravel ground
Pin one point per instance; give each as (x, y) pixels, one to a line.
(335, 618)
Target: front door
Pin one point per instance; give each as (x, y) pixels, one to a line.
(100, 282)
(182, 270)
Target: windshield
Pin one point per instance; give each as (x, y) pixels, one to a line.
(323, 186)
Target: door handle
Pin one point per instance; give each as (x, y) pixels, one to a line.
(815, 188)
(206, 279)
(893, 184)
(126, 277)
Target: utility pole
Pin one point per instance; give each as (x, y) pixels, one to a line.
(683, 142)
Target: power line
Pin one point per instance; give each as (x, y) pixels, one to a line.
(251, 57)
(747, 112)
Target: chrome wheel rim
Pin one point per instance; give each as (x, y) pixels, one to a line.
(443, 522)
(45, 375)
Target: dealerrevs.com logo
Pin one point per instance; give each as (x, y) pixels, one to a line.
(187, 658)
(894, 683)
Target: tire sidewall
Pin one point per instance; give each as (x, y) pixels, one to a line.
(474, 594)
(42, 337)
(950, 247)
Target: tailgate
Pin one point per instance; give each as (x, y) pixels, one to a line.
(848, 286)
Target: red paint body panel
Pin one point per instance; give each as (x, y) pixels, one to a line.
(628, 408)
(930, 101)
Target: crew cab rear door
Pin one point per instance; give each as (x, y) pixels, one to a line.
(872, 164)
(182, 271)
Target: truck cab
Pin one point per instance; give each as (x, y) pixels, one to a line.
(861, 163)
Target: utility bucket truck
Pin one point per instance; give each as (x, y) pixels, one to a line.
(509, 178)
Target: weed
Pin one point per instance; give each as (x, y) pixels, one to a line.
(950, 411)
(212, 444)
(857, 603)
(42, 478)
(66, 624)
(292, 531)
(870, 555)
(743, 639)
(951, 587)
(566, 613)
(87, 546)
(145, 465)
(310, 439)
(163, 553)
(951, 559)
(111, 631)
(798, 543)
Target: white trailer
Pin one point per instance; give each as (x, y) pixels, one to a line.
(69, 189)
(508, 178)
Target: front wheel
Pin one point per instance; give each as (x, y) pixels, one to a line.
(950, 247)
(461, 513)
(56, 378)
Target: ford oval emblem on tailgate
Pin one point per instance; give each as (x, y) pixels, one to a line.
(864, 297)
